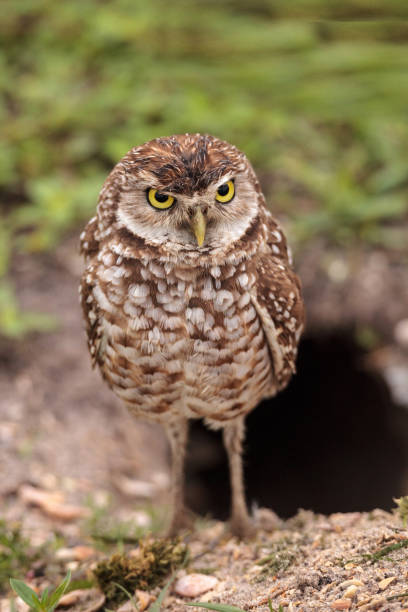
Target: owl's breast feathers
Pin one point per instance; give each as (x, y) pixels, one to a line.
(209, 340)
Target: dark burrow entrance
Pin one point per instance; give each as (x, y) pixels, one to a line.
(333, 441)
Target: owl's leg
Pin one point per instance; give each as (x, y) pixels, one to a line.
(177, 432)
(240, 523)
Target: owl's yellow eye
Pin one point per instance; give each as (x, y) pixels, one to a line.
(225, 192)
(159, 200)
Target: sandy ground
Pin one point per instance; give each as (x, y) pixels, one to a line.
(354, 561)
(316, 563)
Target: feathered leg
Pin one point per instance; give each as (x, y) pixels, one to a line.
(177, 432)
(240, 522)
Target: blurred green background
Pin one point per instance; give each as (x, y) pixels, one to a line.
(316, 93)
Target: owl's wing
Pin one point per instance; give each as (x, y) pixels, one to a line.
(277, 299)
(89, 246)
(93, 320)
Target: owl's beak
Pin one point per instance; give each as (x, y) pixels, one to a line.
(198, 225)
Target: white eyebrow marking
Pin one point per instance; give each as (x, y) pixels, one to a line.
(224, 179)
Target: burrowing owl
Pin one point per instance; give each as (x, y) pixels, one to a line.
(191, 305)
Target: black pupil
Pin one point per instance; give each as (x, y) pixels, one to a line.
(160, 197)
(223, 189)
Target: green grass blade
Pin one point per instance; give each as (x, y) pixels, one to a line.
(280, 609)
(58, 593)
(44, 596)
(216, 606)
(26, 593)
(131, 598)
(155, 607)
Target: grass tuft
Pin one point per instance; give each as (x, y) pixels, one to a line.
(46, 602)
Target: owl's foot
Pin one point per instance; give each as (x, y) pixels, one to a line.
(242, 527)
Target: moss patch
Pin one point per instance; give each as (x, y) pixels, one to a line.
(153, 561)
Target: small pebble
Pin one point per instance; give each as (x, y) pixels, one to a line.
(192, 585)
(72, 565)
(64, 554)
(144, 599)
(37, 496)
(81, 553)
(89, 599)
(64, 512)
(373, 604)
(128, 606)
(136, 488)
(349, 566)
(21, 605)
(341, 604)
(353, 581)
(386, 582)
(77, 553)
(71, 598)
(350, 592)
(52, 503)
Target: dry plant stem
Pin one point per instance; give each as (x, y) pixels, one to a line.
(177, 432)
(240, 523)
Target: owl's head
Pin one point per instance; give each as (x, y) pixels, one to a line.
(187, 193)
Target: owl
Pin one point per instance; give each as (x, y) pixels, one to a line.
(191, 306)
